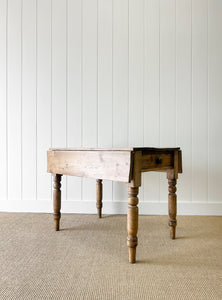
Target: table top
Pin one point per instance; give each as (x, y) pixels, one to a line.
(116, 149)
(117, 164)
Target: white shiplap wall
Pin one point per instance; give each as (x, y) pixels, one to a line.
(110, 73)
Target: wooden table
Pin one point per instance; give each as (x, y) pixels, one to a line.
(125, 165)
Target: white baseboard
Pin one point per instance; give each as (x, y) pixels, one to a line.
(89, 207)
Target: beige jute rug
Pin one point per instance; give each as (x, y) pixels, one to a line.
(88, 258)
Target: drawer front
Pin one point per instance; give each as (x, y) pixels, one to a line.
(157, 161)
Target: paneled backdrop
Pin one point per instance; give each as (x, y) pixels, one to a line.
(103, 73)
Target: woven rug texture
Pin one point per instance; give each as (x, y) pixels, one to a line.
(88, 258)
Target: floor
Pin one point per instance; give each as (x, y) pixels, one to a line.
(88, 258)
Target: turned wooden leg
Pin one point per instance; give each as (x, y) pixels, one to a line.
(172, 202)
(132, 222)
(99, 197)
(57, 200)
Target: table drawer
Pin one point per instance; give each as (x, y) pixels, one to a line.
(157, 161)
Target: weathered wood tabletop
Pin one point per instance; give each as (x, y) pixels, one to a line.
(117, 164)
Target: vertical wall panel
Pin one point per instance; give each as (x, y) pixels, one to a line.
(89, 73)
(89, 85)
(199, 101)
(59, 97)
(136, 70)
(215, 99)
(29, 99)
(43, 96)
(167, 82)
(136, 75)
(151, 91)
(105, 74)
(120, 73)
(14, 99)
(167, 74)
(58, 73)
(3, 100)
(74, 88)
(120, 84)
(183, 95)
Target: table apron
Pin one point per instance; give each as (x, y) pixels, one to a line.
(111, 165)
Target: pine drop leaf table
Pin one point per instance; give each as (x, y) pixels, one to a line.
(117, 164)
